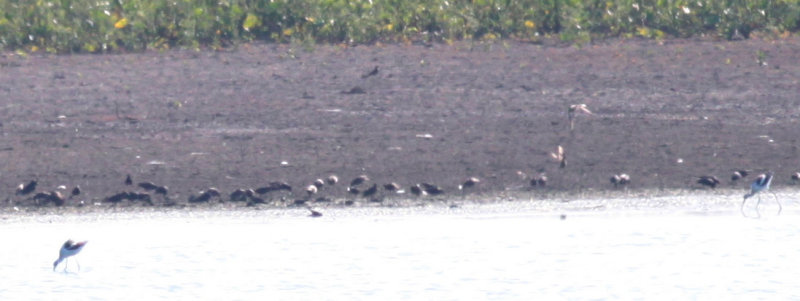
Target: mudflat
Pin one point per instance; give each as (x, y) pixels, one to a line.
(663, 112)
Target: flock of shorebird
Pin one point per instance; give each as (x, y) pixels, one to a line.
(359, 186)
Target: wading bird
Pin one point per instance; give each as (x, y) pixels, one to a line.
(560, 156)
(70, 248)
(576, 108)
(760, 184)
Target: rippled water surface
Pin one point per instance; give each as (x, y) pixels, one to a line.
(516, 250)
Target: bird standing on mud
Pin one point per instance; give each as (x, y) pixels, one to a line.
(560, 156)
(572, 110)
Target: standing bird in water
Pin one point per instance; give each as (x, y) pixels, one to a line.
(761, 183)
(70, 248)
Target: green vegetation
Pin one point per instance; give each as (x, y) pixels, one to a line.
(105, 25)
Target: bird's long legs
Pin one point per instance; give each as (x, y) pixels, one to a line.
(758, 213)
(780, 207)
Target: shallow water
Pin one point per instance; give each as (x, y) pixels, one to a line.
(603, 249)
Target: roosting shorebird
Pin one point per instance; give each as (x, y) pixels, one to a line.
(416, 190)
(761, 183)
(359, 180)
(561, 156)
(469, 183)
(332, 179)
(69, 249)
(24, 189)
(738, 174)
(796, 177)
(576, 108)
(128, 180)
(314, 213)
(541, 180)
(148, 186)
(311, 190)
(393, 187)
(370, 192)
(431, 189)
(620, 180)
(710, 181)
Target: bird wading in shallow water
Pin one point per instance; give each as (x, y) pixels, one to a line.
(69, 249)
(761, 183)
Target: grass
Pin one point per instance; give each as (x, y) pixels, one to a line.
(133, 25)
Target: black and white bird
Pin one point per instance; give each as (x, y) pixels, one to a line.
(68, 249)
(710, 181)
(761, 183)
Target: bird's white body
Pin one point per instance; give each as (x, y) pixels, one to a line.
(70, 248)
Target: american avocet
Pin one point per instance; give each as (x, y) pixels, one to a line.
(70, 248)
(576, 108)
(560, 156)
(761, 183)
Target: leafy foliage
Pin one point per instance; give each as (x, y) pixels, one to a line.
(95, 26)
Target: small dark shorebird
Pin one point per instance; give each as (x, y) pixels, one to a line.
(359, 180)
(24, 189)
(68, 249)
(314, 213)
(469, 183)
(710, 181)
(738, 174)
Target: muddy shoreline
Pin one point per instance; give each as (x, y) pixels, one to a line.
(662, 112)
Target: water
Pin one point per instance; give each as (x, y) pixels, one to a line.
(510, 251)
